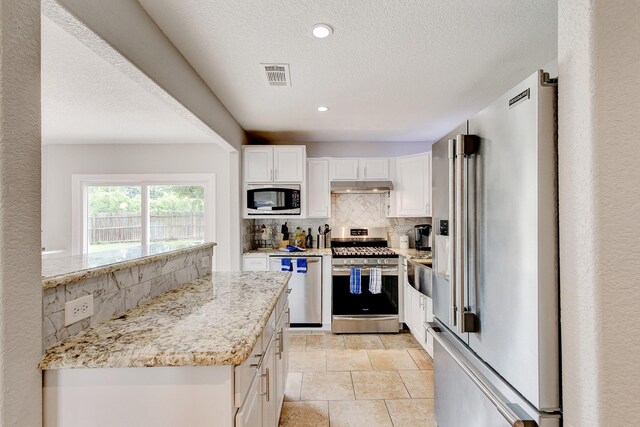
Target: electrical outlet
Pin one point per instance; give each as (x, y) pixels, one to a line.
(204, 262)
(78, 309)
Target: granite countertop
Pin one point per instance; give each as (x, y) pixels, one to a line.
(215, 320)
(64, 269)
(307, 252)
(412, 253)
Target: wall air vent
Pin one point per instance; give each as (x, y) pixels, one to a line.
(277, 74)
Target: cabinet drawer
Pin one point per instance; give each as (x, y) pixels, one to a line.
(259, 263)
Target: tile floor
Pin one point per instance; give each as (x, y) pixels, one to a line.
(357, 380)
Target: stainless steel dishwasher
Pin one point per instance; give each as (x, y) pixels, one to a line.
(305, 299)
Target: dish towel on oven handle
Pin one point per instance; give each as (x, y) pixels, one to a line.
(301, 264)
(355, 282)
(285, 263)
(375, 280)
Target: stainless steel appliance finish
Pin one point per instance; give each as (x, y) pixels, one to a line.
(364, 313)
(305, 299)
(360, 186)
(488, 399)
(419, 277)
(352, 234)
(423, 237)
(495, 276)
(273, 199)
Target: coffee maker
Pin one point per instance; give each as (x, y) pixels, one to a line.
(423, 237)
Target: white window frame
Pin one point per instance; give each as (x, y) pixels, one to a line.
(79, 200)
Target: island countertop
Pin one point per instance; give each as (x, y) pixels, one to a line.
(216, 320)
(64, 269)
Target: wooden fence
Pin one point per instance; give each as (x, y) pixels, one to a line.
(126, 226)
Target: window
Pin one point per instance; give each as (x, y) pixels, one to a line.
(153, 213)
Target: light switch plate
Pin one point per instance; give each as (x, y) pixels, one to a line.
(78, 309)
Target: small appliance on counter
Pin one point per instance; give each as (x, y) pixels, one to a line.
(423, 237)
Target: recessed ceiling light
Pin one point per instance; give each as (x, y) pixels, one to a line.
(322, 109)
(321, 31)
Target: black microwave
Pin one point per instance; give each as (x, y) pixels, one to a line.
(273, 200)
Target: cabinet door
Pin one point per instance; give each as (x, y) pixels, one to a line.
(258, 164)
(429, 318)
(374, 168)
(414, 185)
(419, 317)
(281, 360)
(250, 414)
(344, 169)
(408, 306)
(318, 190)
(267, 378)
(289, 163)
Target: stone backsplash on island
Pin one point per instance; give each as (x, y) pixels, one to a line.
(347, 210)
(115, 292)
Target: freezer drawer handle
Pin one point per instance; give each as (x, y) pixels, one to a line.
(512, 412)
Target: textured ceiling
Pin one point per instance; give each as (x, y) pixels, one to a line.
(87, 100)
(394, 70)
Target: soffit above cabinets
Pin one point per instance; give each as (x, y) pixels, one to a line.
(392, 70)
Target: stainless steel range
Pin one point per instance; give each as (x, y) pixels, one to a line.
(363, 251)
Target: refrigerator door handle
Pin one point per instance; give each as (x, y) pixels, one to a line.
(452, 231)
(466, 145)
(512, 412)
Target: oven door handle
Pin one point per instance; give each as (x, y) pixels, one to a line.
(363, 271)
(365, 318)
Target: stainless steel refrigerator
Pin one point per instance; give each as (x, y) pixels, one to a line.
(495, 254)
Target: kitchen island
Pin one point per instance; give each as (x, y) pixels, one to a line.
(209, 353)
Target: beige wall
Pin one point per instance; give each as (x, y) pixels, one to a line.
(61, 161)
(599, 183)
(20, 281)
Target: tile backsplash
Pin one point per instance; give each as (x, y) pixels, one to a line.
(347, 210)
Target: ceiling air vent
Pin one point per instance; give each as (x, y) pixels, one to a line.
(277, 74)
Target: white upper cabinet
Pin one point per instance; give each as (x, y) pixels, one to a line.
(413, 185)
(344, 169)
(258, 164)
(318, 190)
(289, 163)
(274, 164)
(374, 168)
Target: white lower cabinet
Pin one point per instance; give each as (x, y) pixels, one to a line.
(269, 370)
(251, 412)
(418, 308)
(246, 395)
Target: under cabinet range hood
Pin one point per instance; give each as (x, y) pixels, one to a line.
(361, 186)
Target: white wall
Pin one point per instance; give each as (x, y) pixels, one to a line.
(361, 149)
(20, 279)
(599, 184)
(125, 36)
(61, 161)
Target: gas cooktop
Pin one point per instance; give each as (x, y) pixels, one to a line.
(363, 252)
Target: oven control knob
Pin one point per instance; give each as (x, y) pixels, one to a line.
(366, 261)
(386, 261)
(380, 261)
